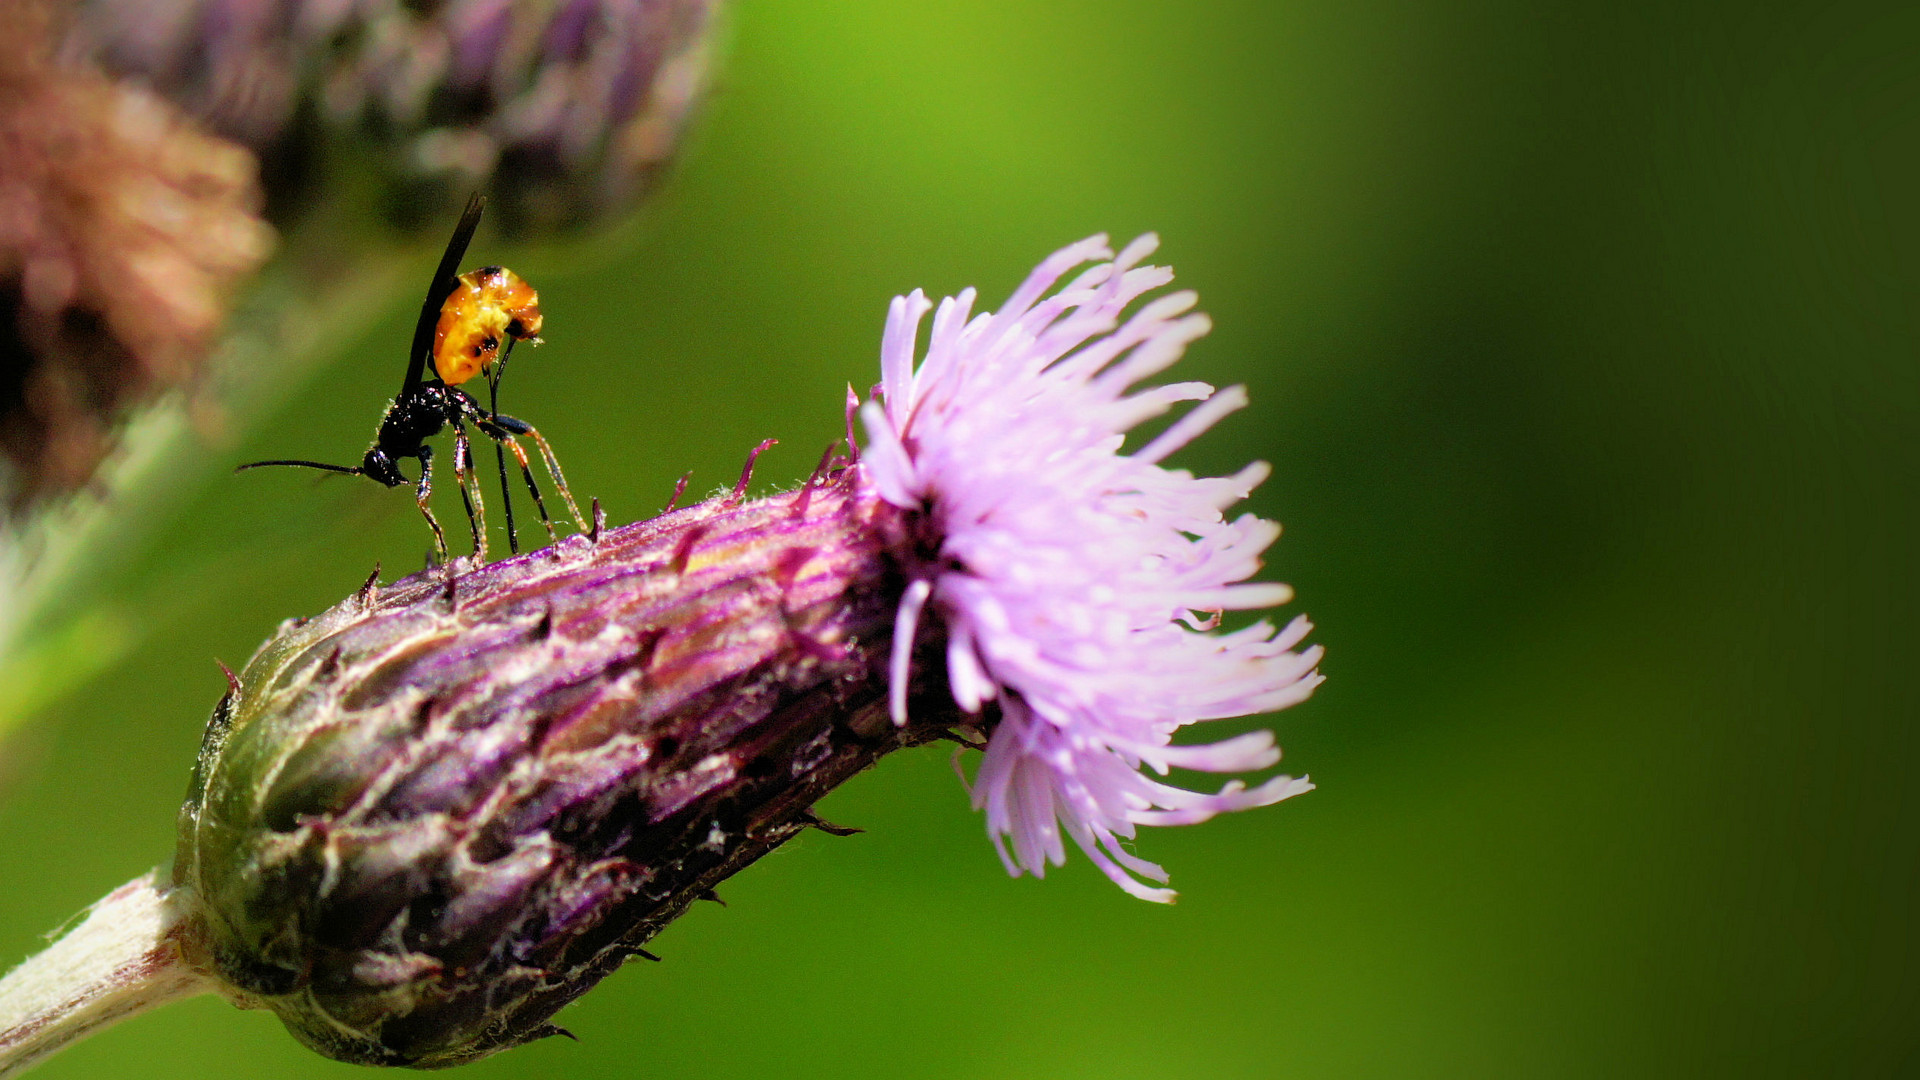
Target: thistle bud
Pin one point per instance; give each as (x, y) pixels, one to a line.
(427, 819)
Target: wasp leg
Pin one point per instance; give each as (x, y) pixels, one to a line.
(505, 441)
(521, 427)
(421, 491)
(493, 432)
(469, 480)
(506, 494)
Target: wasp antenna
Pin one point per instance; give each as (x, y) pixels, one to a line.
(445, 280)
(350, 470)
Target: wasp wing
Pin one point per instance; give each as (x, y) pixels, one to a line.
(445, 280)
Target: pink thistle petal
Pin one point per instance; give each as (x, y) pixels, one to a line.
(904, 629)
(896, 352)
(1071, 576)
(1194, 424)
(888, 465)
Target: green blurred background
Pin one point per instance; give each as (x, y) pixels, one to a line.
(1581, 340)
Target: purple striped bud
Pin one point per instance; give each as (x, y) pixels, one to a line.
(433, 815)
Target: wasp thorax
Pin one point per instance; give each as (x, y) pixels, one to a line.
(425, 820)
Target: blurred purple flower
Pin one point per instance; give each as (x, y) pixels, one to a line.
(1067, 575)
(567, 105)
(125, 231)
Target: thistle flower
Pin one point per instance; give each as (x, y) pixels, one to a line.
(565, 106)
(124, 230)
(1068, 576)
(130, 214)
(424, 821)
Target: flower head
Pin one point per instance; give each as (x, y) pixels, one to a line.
(1080, 586)
(427, 819)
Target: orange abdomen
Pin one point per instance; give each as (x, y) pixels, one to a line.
(490, 306)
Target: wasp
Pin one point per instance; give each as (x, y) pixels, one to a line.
(468, 327)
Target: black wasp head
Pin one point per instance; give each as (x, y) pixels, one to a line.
(381, 467)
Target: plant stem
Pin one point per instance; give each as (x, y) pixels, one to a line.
(123, 959)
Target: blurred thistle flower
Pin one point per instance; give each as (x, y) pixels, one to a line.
(123, 231)
(565, 107)
(424, 821)
(128, 221)
(128, 218)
